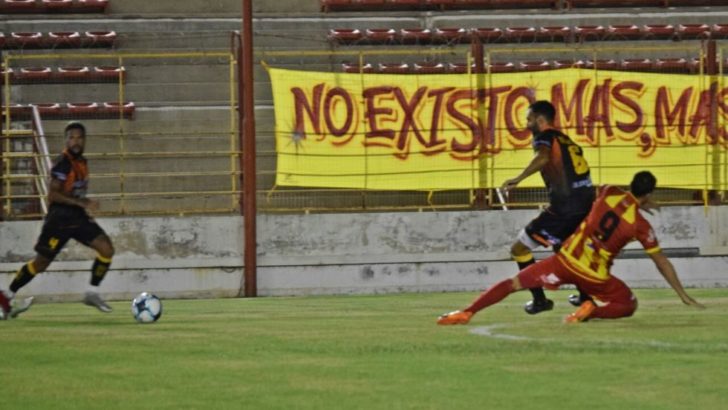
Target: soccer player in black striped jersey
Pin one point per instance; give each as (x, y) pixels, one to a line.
(566, 175)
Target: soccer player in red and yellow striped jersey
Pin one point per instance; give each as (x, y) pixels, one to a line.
(586, 256)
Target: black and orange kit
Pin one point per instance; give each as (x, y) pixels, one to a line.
(571, 194)
(65, 222)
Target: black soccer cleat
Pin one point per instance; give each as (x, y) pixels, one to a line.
(533, 307)
(577, 300)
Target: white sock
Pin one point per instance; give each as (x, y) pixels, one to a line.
(91, 288)
(9, 294)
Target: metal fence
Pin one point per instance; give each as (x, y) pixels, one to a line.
(162, 128)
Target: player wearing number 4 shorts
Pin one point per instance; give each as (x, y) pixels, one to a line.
(586, 256)
(67, 219)
(566, 175)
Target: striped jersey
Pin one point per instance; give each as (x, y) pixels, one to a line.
(613, 222)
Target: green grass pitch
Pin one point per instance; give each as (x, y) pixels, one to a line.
(367, 352)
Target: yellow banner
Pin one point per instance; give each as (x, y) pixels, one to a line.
(459, 131)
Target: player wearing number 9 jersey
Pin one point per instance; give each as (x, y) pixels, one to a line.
(586, 257)
(566, 174)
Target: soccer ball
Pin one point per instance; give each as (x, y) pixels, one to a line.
(146, 308)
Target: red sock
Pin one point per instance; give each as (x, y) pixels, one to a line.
(493, 295)
(615, 310)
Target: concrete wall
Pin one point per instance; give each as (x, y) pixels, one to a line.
(342, 253)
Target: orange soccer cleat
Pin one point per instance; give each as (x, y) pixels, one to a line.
(582, 314)
(457, 317)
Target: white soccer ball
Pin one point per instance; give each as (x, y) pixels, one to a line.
(146, 308)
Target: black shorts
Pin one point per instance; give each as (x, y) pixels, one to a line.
(59, 227)
(550, 229)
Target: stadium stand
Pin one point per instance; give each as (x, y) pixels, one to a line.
(52, 6)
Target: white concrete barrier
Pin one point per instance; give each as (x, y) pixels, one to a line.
(341, 253)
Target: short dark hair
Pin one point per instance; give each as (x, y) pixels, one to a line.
(544, 108)
(643, 183)
(75, 125)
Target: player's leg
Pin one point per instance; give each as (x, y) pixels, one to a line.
(91, 235)
(532, 276)
(531, 237)
(619, 301)
(52, 239)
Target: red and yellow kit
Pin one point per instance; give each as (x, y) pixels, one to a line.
(613, 222)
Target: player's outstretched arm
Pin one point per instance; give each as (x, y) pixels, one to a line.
(668, 272)
(537, 163)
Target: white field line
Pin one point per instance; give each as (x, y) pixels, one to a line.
(490, 331)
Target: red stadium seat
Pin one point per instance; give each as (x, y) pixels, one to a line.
(49, 109)
(368, 4)
(488, 35)
(589, 33)
(441, 4)
(451, 35)
(107, 73)
(719, 31)
(672, 65)
(334, 5)
(472, 4)
(91, 6)
(394, 68)
(356, 68)
(509, 4)
(345, 35)
(57, 6)
(68, 39)
(100, 38)
(18, 110)
(501, 68)
(404, 4)
(568, 64)
(521, 34)
(624, 32)
(694, 65)
(693, 31)
(114, 108)
(11, 75)
(29, 40)
(415, 35)
(2, 40)
(83, 108)
(653, 31)
(429, 68)
(71, 74)
(636, 64)
(534, 65)
(18, 6)
(33, 74)
(602, 64)
(460, 68)
(553, 33)
(381, 35)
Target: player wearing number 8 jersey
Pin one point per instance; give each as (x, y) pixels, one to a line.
(566, 175)
(586, 257)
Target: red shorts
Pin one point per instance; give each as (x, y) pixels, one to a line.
(551, 273)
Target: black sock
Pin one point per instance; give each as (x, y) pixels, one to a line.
(22, 278)
(99, 269)
(538, 295)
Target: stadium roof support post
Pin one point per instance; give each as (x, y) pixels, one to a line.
(247, 119)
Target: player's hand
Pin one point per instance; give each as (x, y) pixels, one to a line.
(692, 302)
(510, 184)
(90, 205)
